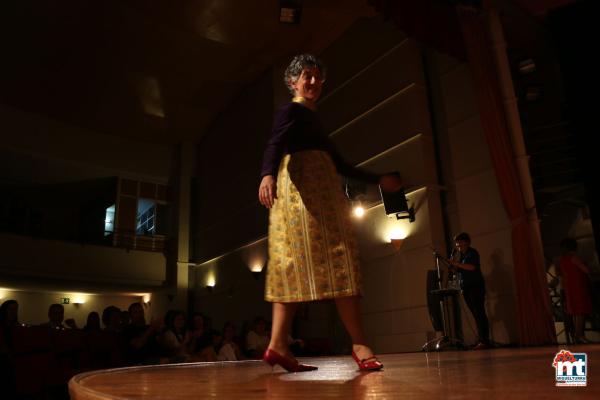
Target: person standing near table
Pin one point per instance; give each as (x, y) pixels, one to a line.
(465, 260)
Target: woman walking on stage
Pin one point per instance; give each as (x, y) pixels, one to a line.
(312, 250)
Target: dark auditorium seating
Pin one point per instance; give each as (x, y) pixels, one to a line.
(45, 359)
(32, 359)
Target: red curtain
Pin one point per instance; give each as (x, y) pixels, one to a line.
(463, 32)
(536, 325)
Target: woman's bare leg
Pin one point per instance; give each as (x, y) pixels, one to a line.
(349, 310)
(283, 316)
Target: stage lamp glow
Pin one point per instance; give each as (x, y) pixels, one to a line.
(79, 298)
(256, 267)
(397, 233)
(211, 280)
(358, 211)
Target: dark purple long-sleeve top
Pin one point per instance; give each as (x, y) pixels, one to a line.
(297, 128)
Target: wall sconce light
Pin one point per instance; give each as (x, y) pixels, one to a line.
(396, 237)
(397, 243)
(78, 299)
(210, 282)
(256, 269)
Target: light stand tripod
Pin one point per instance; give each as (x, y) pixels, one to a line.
(446, 340)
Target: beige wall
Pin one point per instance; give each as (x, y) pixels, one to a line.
(42, 258)
(33, 305)
(379, 119)
(237, 294)
(227, 212)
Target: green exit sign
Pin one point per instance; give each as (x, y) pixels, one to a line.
(65, 300)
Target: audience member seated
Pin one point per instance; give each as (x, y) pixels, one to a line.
(175, 339)
(216, 340)
(111, 318)
(230, 350)
(71, 324)
(56, 315)
(125, 318)
(140, 339)
(200, 345)
(92, 323)
(257, 339)
(9, 319)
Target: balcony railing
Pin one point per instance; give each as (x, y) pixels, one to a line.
(130, 240)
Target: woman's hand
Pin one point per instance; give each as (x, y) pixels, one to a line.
(267, 191)
(390, 182)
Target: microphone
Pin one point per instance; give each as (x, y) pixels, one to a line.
(452, 253)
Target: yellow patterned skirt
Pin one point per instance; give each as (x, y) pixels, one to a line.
(313, 253)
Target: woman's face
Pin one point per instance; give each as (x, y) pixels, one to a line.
(309, 84)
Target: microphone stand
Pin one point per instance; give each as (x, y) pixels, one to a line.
(446, 340)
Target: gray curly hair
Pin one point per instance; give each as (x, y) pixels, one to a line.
(301, 61)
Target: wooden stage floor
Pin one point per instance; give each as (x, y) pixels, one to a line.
(515, 373)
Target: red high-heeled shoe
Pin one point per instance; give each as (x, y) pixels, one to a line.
(367, 364)
(272, 357)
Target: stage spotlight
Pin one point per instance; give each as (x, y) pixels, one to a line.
(395, 203)
(355, 192)
(358, 210)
